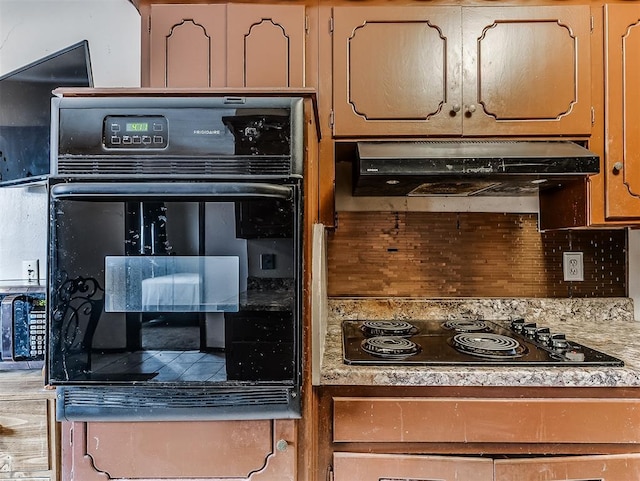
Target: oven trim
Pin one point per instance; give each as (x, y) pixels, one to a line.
(170, 403)
(164, 190)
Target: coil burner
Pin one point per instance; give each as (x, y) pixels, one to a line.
(390, 347)
(388, 328)
(488, 345)
(467, 326)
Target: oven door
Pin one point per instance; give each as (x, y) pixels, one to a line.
(175, 300)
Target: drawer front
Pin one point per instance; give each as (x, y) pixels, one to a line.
(24, 437)
(621, 467)
(397, 467)
(486, 420)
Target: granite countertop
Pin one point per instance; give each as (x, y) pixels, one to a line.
(607, 325)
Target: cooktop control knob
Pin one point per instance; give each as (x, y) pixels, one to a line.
(543, 335)
(517, 325)
(530, 329)
(574, 355)
(558, 342)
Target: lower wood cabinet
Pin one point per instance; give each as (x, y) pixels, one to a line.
(29, 435)
(262, 450)
(478, 434)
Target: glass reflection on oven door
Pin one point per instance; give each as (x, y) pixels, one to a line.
(172, 283)
(218, 306)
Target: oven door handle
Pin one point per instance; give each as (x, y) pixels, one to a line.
(165, 190)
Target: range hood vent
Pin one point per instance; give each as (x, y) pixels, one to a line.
(466, 168)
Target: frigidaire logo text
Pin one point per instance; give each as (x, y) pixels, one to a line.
(207, 132)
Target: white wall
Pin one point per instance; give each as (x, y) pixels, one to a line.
(32, 29)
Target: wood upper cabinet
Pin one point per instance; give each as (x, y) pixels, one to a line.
(622, 67)
(526, 70)
(396, 70)
(265, 45)
(461, 70)
(188, 46)
(219, 45)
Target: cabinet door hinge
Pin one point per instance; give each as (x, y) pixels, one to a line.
(331, 119)
(329, 473)
(306, 24)
(592, 24)
(331, 25)
(593, 116)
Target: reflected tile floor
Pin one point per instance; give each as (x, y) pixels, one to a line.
(170, 365)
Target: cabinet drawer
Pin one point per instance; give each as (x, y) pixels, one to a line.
(486, 420)
(622, 467)
(24, 438)
(397, 467)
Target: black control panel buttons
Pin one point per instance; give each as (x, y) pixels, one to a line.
(135, 132)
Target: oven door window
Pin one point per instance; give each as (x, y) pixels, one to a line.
(174, 286)
(172, 283)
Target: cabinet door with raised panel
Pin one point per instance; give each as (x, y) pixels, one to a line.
(393, 467)
(622, 107)
(265, 45)
(396, 70)
(188, 46)
(619, 467)
(260, 450)
(526, 70)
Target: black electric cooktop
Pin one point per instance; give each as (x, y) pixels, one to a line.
(463, 342)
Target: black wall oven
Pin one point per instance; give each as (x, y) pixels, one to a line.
(175, 257)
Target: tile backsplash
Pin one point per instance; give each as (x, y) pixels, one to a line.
(443, 255)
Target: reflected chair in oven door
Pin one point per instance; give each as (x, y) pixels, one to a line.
(79, 303)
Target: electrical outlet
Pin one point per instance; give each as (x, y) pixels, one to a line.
(267, 261)
(30, 271)
(573, 266)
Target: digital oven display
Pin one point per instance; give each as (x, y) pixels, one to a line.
(135, 132)
(137, 126)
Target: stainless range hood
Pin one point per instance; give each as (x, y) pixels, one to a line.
(466, 168)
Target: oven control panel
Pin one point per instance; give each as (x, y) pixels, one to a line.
(135, 132)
